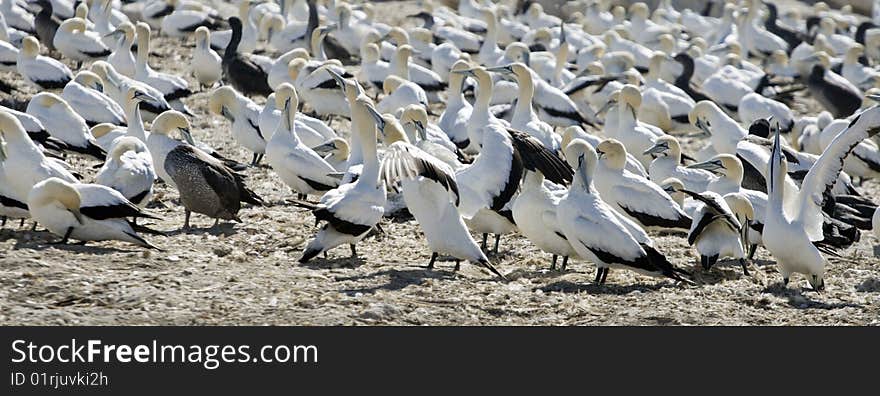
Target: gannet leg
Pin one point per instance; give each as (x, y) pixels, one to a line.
(485, 237)
(354, 252)
(497, 238)
(65, 238)
(564, 262)
(745, 266)
(553, 266)
(186, 220)
(431, 263)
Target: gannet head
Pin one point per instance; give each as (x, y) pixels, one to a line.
(102, 129)
(203, 37)
(639, 10)
(631, 96)
(72, 25)
(398, 35)
(723, 165)
(270, 24)
(123, 145)
(613, 153)
(220, 101)
(295, 67)
(416, 116)
(89, 79)
(701, 115)
(172, 120)
(58, 193)
(673, 187)
(30, 47)
(337, 146)
(282, 93)
(10, 126)
(142, 30)
(582, 157)
(391, 84)
(664, 146)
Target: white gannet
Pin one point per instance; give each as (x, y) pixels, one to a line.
(310, 130)
(23, 165)
(455, 117)
(298, 166)
(106, 134)
(789, 235)
(667, 163)
(85, 95)
(597, 232)
(279, 72)
(122, 58)
(206, 185)
(490, 55)
(754, 106)
(623, 125)
(86, 212)
(317, 88)
(8, 50)
(425, 78)
(400, 93)
(863, 77)
(632, 195)
(534, 211)
(480, 117)
(36, 131)
(524, 117)
(373, 70)
(717, 233)
(206, 64)
(431, 194)
(244, 115)
(352, 209)
(173, 87)
(489, 184)
(74, 41)
(41, 71)
(64, 124)
(129, 170)
(117, 86)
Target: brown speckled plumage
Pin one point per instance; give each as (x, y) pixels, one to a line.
(206, 185)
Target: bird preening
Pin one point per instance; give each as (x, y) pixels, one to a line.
(742, 129)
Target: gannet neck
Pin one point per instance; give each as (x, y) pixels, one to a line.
(454, 92)
(143, 50)
(526, 92)
(364, 127)
(485, 85)
(135, 123)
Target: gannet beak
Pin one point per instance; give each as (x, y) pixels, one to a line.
(506, 69)
(187, 136)
(331, 27)
(113, 33)
(874, 97)
(656, 149)
(76, 214)
(324, 148)
(337, 77)
(377, 118)
(703, 127)
(423, 134)
(606, 106)
(466, 72)
(711, 166)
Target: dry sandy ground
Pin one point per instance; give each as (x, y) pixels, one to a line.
(237, 274)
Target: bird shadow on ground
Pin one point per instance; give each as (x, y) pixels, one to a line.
(398, 279)
(797, 299)
(225, 229)
(43, 240)
(334, 262)
(593, 288)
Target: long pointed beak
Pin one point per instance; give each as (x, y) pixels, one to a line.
(377, 118)
(710, 166)
(324, 148)
(423, 133)
(874, 97)
(606, 106)
(466, 72)
(76, 214)
(337, 77)
(187, 136)
(655, 149)
(114, 33)
(500, 69)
